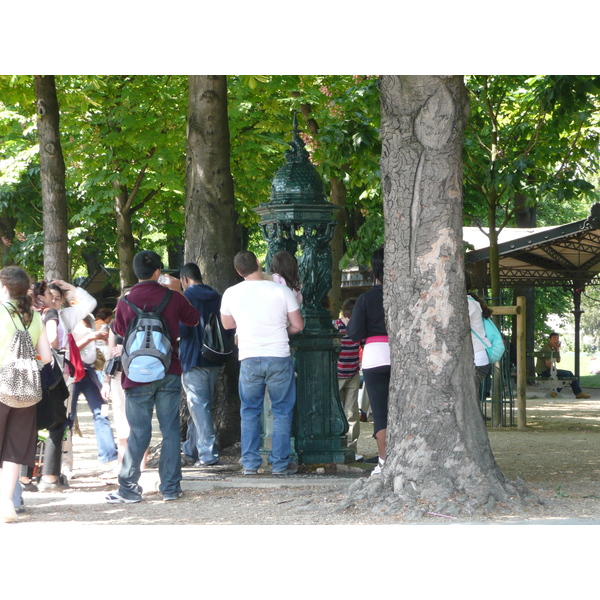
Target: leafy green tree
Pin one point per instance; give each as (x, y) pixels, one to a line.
(130, 153)
(123, 140)
(532, 136)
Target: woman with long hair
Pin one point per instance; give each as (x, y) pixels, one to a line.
(18, 428)
(368, 323)
(284, 270)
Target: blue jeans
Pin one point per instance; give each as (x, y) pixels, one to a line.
(564, 373)
(17, 497)
(277, 375)
(89, 387)
(140, 403)
(199, 385)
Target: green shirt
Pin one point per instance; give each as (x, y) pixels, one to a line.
(540, 365)
(7, 327)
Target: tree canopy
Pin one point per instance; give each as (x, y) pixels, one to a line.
(530, 140)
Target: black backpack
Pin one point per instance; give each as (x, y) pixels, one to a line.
(147, 348)
(216, 344)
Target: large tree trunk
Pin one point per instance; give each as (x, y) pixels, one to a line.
(52, 172)
(210, 221)
(438, 454)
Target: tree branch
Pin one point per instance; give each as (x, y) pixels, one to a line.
(138, 182)
(148, 197)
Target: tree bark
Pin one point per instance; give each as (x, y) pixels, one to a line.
(438, 453)
(210, 221)
(52, 173)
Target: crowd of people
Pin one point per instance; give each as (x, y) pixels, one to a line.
(79, 353)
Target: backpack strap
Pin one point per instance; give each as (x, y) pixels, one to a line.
(481, 340)
(25, 328)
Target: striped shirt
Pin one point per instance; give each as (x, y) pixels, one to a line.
(348, 360)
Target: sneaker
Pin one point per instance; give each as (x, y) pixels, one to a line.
(358, 457)
(289, 470)
(54, 486)
(377, 469)
(7, 512)
(116, 498)
(200, 464)
(582, 395)
(250, 472)
(29, 486)
(363, 417)
(172, 498)
(20, 509)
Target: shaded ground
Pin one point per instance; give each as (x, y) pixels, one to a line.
(558, 457)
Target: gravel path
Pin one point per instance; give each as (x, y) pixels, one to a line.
(558, 457)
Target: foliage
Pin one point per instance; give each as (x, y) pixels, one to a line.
(113, 130)
(345, 110)
(537, 136)
(590, 318)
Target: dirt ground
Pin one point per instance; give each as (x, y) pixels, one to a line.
(558, 458)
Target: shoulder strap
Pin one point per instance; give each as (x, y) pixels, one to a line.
(481, 340)
(135, 309)
(25, 328)
(164, 302)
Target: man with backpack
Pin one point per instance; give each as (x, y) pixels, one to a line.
(199, 374)
(148, 320)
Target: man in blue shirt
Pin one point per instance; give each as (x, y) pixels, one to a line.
(199, 375)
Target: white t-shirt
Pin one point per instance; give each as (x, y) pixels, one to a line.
(260, 310)
(476, 318)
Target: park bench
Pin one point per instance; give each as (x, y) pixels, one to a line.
(553, 384)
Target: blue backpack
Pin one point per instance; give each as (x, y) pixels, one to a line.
(495, 349)
(146, 355)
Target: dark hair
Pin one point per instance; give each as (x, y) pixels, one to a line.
(145, 264)
(191, 271)
(104, 313)
(554, 333)
(38, 289)
(285, 264)
(377, 264)
(486, 311)
(347, 307)
(17, 283)
(245, 263)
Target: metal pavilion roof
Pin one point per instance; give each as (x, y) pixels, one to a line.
(545, 256)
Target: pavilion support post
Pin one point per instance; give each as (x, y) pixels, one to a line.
(521, 363)
(577, 313)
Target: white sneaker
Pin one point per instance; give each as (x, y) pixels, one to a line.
(7, 512)
(377, 469)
